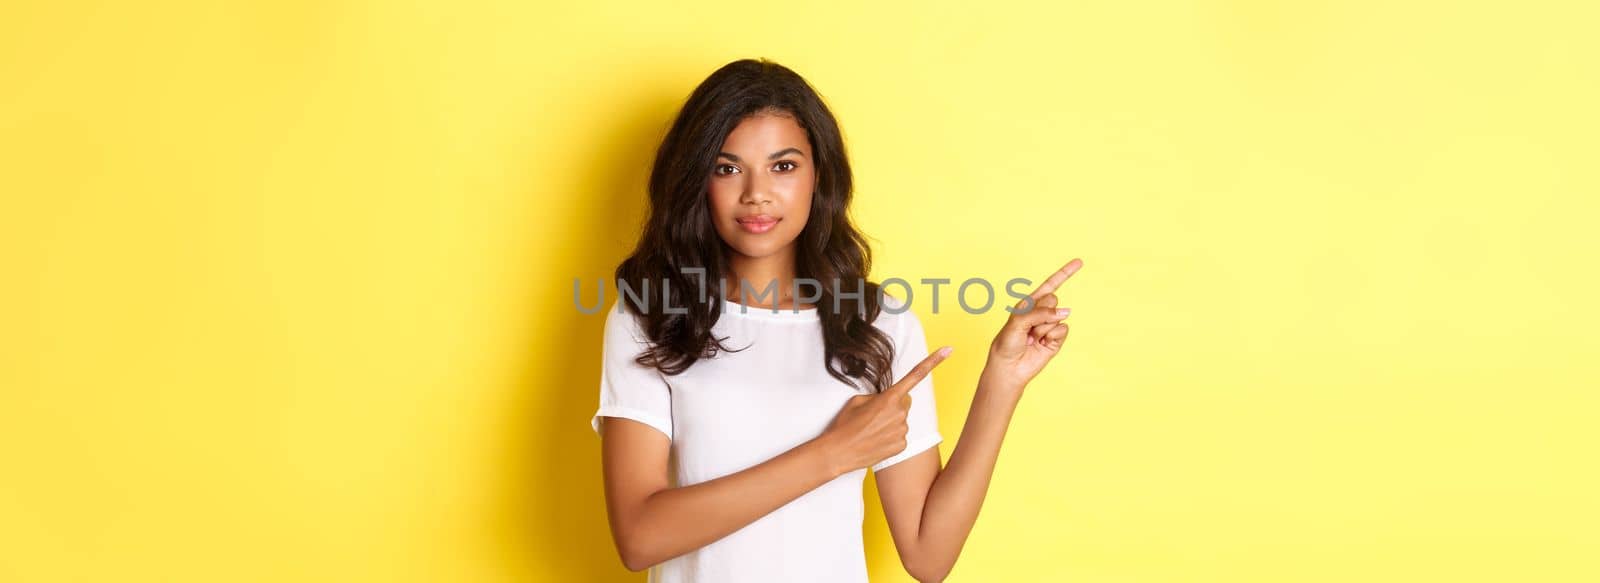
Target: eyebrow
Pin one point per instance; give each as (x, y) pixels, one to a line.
(774, 155)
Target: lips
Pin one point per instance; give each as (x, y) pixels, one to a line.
(758, 224)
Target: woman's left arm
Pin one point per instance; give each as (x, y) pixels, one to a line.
(931, 510)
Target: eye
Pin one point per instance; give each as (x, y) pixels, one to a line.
(781, 163)
(718, 170)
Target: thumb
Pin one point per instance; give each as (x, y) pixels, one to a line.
(1040, 315)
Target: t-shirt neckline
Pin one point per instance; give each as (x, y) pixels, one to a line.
(745, 311)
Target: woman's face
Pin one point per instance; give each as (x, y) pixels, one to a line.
(761, 185)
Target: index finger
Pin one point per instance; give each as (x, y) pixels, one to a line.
(918, 372)
(1056, 279)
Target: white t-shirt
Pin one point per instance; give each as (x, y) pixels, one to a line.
(738, 409)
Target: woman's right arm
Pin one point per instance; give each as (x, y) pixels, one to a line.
(652, 522)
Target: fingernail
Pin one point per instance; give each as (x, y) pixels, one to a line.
(1062, 312)
(943, 352)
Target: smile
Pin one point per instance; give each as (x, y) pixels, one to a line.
(757, 224)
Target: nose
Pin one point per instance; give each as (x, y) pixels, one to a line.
(758, 190)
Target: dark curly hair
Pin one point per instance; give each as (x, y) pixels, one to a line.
(679, 233)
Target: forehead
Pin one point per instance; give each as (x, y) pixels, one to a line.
(765, 133)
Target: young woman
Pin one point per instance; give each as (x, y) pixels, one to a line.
(736, 432)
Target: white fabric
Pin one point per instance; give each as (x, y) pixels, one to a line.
(734, 411)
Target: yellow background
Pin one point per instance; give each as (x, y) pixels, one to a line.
(287, 285)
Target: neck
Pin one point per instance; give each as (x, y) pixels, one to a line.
(776, 270)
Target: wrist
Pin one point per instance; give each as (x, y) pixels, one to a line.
(993, 381)
(824, 455)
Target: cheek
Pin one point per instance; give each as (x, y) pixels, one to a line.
(800, 201)
(722, 198)
(799, 213)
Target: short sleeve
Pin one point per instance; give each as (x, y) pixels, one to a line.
(628, 389)
(922, 421)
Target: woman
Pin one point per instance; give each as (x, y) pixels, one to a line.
(737, 430)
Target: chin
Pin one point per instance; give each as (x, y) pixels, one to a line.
(757, 251)
(751, 246)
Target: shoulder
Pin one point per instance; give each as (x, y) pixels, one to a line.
(621, 323)
(896, 319)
